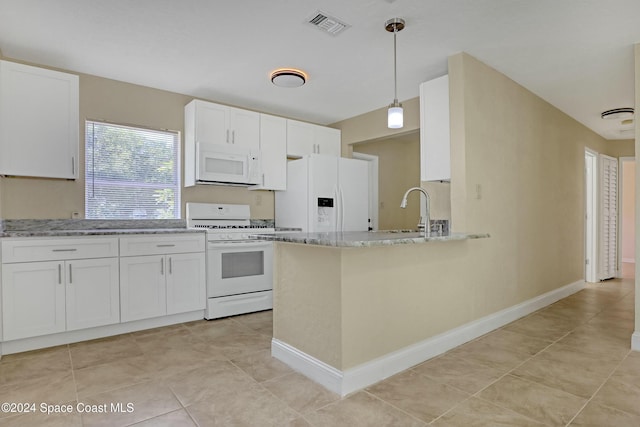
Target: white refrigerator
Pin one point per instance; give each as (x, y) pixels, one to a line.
(324, 194)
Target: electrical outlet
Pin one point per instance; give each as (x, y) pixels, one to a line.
(75, 215)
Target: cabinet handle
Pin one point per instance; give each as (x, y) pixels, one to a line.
(233, 136)
(162, 266)
(165, 246)
(70, 275)
(63, 250)
(170, 266)
(73, 165)
(59, 274)
(227, 136)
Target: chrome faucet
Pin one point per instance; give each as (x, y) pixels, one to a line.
(425, 220)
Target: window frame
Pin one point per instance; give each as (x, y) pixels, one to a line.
(88, 178)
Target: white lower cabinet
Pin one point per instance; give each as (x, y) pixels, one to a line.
(143, 290)
(52, 285)
(158, 285)
(32, 299)
(92, 293)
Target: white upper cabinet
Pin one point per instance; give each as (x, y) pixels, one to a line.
(273, 148)
(210, 123)
(435, 157)
(306, 138)
(39, 122)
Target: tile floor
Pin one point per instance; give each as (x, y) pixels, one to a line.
(567, 364)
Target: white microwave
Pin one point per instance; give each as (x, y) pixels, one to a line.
(227, 164)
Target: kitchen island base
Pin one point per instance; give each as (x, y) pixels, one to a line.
(348, 317)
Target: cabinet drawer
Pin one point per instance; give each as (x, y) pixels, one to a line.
(29, 249)
(159, 245)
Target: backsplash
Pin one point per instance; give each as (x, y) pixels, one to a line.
(88, 224)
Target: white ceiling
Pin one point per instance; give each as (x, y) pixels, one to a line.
(576, 54)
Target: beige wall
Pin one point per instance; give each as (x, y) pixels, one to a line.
(628, 228)
(637, 147)
(398, 170)
(119, 102)
(373, 125)
(532, 203)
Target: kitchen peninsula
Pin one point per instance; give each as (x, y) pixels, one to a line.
(353, 308)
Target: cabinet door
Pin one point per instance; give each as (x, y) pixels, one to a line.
(435, 157)
(32, 299)
(142, 287)
(92, 294)
(327, 141)
(300, 139)
(273, 149)
(39, 121)
(211, 123)
(245, 128)
(185, 282)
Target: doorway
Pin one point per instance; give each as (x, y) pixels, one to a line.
(373, 187)
(591, 212)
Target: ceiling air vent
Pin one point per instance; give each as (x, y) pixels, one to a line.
(327, 24)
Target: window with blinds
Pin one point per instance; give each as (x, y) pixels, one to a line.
(131, 173)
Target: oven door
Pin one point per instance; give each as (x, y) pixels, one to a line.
(239, 267)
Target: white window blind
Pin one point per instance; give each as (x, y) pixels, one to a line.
(131, 173)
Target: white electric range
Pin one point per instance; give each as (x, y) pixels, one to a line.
(239, 269)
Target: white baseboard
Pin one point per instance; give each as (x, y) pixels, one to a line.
(635, 341)
(629, 260)
(359, 377)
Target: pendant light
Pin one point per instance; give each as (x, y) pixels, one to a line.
(395, 112)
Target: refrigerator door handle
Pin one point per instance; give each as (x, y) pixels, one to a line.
(341, 209)
(336, 222)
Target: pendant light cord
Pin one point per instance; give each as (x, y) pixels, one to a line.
(395, 68)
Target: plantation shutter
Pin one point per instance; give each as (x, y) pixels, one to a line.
(131, 173)
(608, 217)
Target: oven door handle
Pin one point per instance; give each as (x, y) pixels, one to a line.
(239, 244)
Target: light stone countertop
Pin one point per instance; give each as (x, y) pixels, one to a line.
(97, 227)
(365, 238)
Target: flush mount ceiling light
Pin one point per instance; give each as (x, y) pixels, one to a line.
(288, 77)
(395, 113)
(618, 113)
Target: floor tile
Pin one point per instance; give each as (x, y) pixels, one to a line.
(165, 340)
(595, 415)
(110, 376)
(462, 374)
(178, 418)
(514, 341)
(35, 365)
(138, 403)
(300, 393)
(479, 413)
(261, 322)
(209, 382)
(568, 369)
(104, 350)
(262, 366)
(619, 395)
(486, 354)
(53, 389)
(50, 353)
(539, 402)
(361, 410)
(252, 406)
(241, 344)
(43, 420)
(418, 395)
(546, 327)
